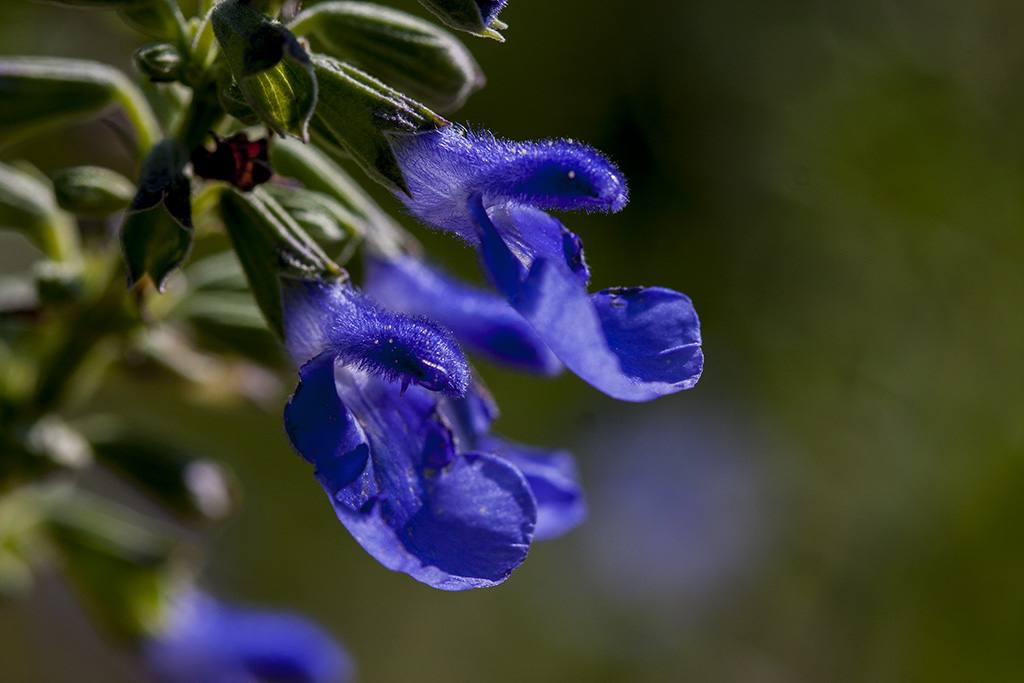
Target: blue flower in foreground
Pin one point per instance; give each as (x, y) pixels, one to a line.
(551, 475)
(634, 344)
(411, 471)
(205, 641)
(336, 319)
(482, 321)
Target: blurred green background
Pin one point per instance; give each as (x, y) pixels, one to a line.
(840, 189)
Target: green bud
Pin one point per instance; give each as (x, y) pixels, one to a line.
(40, 93)
(356, 112)
(412, 55)
(27, 205)
(58, 283)
(272, 70)
(479, 17)
(270, 244)
(92, 191)
(159, 62)
(157, 232)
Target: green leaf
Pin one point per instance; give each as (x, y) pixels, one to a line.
(272, 70)
(406, 52)
(356, 112)
(92, 190)
(27, 205)
(40, 93)
(157, 232)
(270, 244)
(158, 18)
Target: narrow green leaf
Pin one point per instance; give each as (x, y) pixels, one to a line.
(158, 18)
(355, 113)
(42, 92)
(272, 70)
(406, 52)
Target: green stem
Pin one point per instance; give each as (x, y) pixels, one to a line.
(202, 115)
(82, 330)
(140, 114)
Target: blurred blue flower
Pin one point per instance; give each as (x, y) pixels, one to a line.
(634, 344)
(205, 641)
(412, 471)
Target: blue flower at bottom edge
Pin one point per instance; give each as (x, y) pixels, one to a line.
(412, 473)
(634, 344)
(205, 641)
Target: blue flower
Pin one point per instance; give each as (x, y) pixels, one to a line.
(551, 475)
(205, 641)
(412, 471)
(634, 344)
(484, 322)
(335, 318)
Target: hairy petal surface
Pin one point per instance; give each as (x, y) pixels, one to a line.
(333, 317)
(484, 322)
(445, 168)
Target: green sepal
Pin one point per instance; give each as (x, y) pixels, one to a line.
(160, 62)
(356, 112)
(318, 173)
(271, 68)
(464, 15)
(412, 55)
(157, 232)
(39, 93)
(157, 18)
(270, 244)
(27, 205)
(92, 191)
(331, 225)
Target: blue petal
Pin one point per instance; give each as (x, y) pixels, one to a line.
(321, 316)
(445, 168)
(482, 321)
(327, 435)
(634, 345)
(207, 642)
(654, 331)
(451, 520)
(554, 481)
(634, 348)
